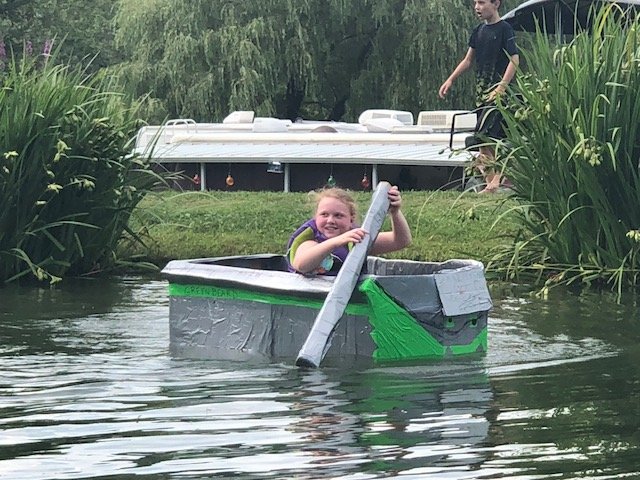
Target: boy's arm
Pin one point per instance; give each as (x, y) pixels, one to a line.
(463, 66)
(509, 73)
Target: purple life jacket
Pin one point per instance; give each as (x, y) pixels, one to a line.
(309, 231)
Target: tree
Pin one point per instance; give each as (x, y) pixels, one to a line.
(84, 30)
(310, 58)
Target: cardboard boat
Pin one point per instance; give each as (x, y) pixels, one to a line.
(251, 307)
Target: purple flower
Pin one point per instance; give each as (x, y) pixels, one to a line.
(28, 47)
(46, 50)
(3, 50)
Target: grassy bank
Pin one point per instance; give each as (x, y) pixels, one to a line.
(192, 224)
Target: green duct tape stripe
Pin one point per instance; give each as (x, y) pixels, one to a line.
(210, 291)
(398, 335)
(479, 344)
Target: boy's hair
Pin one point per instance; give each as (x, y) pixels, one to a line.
(339, 194)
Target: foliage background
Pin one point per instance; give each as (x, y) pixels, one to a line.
(316, 59)
(180, 225)
(321, 59)
(85, 28)
(68, 182)
(572, 154)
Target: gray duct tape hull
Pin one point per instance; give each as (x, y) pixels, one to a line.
(242, 308)
(241, 330)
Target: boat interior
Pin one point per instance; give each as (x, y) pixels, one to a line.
(374, 265)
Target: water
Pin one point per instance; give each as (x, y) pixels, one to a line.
(89, 390)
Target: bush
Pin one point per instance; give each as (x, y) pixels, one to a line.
(574, 147)
(67, 182)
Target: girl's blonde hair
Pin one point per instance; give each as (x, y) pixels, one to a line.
(339, 194)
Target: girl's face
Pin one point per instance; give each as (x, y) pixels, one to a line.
(333, 217)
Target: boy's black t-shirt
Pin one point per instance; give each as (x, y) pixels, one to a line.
(494, 44)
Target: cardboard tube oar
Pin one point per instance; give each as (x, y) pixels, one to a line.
(317, 343)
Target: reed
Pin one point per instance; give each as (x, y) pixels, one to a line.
(67, 182)
(573, 129)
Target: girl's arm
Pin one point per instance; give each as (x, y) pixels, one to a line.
(310, 254)
(400, 235)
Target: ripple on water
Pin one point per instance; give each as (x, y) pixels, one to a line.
(88, 389)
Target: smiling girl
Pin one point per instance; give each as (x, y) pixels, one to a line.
(321, 245)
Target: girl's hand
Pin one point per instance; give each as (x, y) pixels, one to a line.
(354, 235)
(395, 199)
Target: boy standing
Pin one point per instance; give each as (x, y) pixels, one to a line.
(492, 46)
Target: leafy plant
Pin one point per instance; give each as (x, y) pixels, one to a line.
(573, 135)
(67, 180)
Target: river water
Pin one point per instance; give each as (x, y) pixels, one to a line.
(88, 389)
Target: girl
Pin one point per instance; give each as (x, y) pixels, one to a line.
(321, 245)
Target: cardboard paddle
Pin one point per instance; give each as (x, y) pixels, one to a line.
(317, 343)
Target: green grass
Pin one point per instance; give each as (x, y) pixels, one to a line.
(193, 224)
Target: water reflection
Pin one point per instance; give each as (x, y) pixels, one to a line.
(73, 319)
(389, 419)
(88, 389)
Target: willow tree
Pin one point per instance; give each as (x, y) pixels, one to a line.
(309, 58)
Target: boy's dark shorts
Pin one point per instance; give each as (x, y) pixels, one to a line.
(489, 124)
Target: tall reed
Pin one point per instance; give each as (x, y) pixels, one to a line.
(67, 182)
(574, 147)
